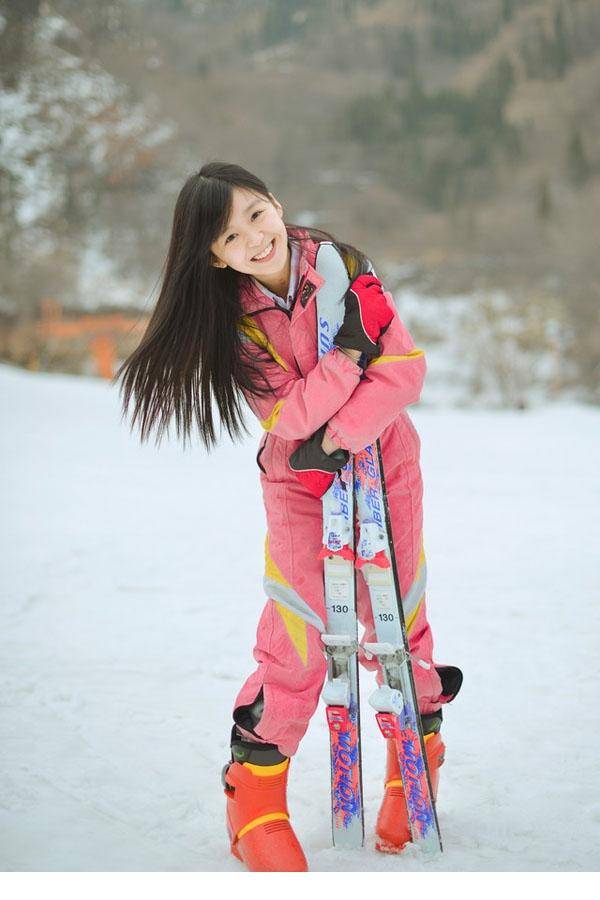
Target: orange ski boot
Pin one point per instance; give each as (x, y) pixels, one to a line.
(392, 829)
(257, 814)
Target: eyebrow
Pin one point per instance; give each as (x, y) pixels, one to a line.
(248, 208)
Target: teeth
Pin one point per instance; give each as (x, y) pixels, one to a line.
(264, 253)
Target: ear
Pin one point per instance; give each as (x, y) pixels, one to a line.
(276, 204)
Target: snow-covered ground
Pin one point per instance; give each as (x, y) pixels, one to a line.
(132, 583)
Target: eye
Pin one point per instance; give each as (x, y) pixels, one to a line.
(231, 236)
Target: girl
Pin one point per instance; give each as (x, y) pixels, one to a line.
(235, 320)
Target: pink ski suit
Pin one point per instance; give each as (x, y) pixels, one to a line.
(307, 393)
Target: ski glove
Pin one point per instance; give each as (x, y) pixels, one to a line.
(314, 468)
(367, 316)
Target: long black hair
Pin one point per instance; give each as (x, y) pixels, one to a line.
(192, 353)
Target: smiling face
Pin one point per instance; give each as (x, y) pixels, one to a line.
(255, 226)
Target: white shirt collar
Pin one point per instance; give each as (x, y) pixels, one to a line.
(285, 302)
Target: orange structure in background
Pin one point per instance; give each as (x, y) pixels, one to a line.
(100, 333)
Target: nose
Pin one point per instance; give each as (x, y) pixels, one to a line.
(256, 242)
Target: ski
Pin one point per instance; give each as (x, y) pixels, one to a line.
(341, 692)
(395, 701)
(358, 492)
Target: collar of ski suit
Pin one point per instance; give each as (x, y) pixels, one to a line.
(309, 281)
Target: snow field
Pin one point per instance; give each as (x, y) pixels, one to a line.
(131, 589)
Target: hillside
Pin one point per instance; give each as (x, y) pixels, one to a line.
(456, 140)
(461, 137)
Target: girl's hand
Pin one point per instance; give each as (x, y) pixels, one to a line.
(354, 355)
(367, 316)
(327, 445)
(314, 468)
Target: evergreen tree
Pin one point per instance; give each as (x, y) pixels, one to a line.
(507, 8)
(578, 165)
(561, 55)
(544, 205)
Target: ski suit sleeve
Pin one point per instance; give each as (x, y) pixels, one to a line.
(391, 382)
(299, 406)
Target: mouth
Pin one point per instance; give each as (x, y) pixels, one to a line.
(269, 253)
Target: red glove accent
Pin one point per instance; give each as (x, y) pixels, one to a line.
(367, 316)
(318, 483)
(374, 309)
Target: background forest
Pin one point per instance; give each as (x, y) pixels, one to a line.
(457, 141)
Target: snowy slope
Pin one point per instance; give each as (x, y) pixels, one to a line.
(131, 586)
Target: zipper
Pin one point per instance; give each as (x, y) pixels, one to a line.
(304, 289)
